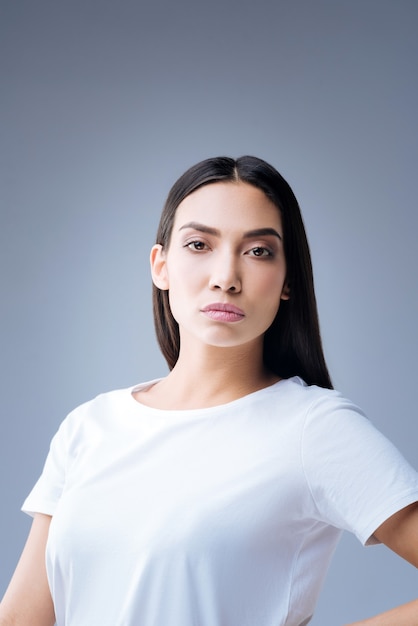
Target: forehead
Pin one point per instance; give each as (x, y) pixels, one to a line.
(226, 204)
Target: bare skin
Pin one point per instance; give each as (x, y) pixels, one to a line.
(201, 383)
(400, 534)
(220, 259)
(27, 601)
(218, 363)
(198, 380)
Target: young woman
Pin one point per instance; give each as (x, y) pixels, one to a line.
(215, 496)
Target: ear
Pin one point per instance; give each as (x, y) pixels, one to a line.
(159, 267)
(285, 292)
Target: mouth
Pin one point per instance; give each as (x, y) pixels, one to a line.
(222, 312)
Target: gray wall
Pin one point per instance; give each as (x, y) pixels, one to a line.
(104, 105)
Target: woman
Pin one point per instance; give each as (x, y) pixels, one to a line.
(215, 496)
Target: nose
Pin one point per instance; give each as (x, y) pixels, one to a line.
(225, 274)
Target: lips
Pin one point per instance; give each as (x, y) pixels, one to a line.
(222, 312)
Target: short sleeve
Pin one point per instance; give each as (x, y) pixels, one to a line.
(47, 491)
(357, 477)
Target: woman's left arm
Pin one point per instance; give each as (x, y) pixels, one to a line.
(400, 534)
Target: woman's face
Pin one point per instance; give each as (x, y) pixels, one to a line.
(225, 268)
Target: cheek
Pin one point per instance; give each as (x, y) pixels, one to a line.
(271, 308)
(270, 291)
(178, 304)
(184, 276)
(182, 290)
(270, 284)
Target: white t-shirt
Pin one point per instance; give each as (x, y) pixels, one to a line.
(224, 516)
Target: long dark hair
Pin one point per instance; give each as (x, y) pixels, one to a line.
(292, 344)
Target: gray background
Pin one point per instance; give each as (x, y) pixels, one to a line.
(104, 105)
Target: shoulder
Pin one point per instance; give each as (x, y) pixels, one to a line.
(311, 399)
(100, 410)
(321, 412)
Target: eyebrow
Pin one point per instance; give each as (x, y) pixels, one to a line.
(257, 232)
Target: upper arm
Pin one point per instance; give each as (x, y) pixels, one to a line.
(28, 601)
(400, 533)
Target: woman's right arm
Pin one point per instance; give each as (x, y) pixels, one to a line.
(27, 601)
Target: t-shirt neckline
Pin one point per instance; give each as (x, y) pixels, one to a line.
(205, 410)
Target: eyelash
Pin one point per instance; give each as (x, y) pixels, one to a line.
(191, 245)
(266, 252)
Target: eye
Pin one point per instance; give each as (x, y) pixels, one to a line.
(196, 246)
(260, 251)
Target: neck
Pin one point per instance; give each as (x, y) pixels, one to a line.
(208, 376)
